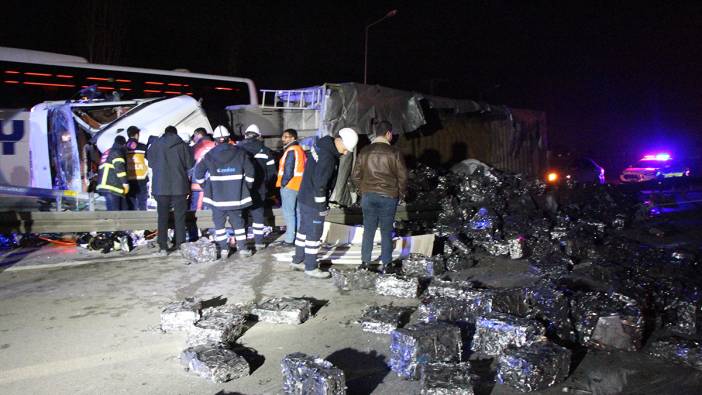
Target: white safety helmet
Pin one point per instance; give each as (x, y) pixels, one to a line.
(220, 131)
(253, 128)
(349, 138)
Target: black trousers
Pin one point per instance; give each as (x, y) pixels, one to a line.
(164, 203)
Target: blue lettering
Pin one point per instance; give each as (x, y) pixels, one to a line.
(8, 140)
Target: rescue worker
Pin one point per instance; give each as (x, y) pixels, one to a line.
(170, 160)
(264, 163)
(203, 144)
(227, 174)
(137, 171)
(290, 170)
(112, 176)
(317, 182)
(380, 175)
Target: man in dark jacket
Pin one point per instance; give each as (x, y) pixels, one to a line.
(227, 174)
(264, 163)
(380, 175)
(317, 182)
(112, 176)
(137, 171)
(170, 159)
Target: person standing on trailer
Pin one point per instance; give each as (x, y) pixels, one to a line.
(227, 175)
(317, 183)
(264, 163)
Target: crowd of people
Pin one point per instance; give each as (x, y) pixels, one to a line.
(235, 179)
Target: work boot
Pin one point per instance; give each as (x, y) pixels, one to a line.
(316, 273)
(260, 247)
(297, 266)
(162, 252)
(364, 266)
(245, 253)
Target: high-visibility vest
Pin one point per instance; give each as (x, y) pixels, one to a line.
(300, 159)
(199, 150)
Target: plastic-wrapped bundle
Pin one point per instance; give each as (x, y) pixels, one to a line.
(516, 247)
(200, 251)
(534, 367)
(447, 309)
(683, 351)
(353, 279)
(495, 332)
(450, 289)
(422, 266)
(440, 378)
(456, 262)
(307, 375)
(496, 247)
(214, 362)
(422, 343)
(292, 311)
(180, 316)
(384, 319)
(510, 301)
(221, 324)
(398, 286)
(607, 322)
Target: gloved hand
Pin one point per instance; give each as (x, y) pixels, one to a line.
(126, 188)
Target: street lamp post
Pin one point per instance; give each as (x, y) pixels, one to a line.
(390, 14)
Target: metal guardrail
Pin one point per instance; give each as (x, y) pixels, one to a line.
(109, 221)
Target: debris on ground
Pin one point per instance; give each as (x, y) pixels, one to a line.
(397, 286)
(308, 375)
(214, 362)
(422, 266)
(293, 311)
(222, 324)
(353, 279)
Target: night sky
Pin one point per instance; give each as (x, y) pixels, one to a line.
(615, 80)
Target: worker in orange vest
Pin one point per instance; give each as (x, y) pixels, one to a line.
(290, 169)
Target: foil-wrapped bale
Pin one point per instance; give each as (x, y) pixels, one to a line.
(221, 324)
(683, 351)
(683, 317)
(349, 280)
(496, 332)
(534, 367)
(199, 251)
(180, 316)
(423, 343)
(292, 311)
(398, 286)
(449, 289)
(607, 322)
(551, 306)
(307, 375)
(441, 378)
(384, 319)
(516, 247)
(496, 247)
(214, 362)
(422, 266)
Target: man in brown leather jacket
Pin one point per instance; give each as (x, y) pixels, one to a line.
(380, 175)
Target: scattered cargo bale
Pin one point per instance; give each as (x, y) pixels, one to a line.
(397, 286)
(422, 266)
(496, 332)
(441, 378)
(423, 343)
(608, 322)
(180, 316)
(222, 324)
(214, 362)
(384, 319)
(677, 350)
(293, 311)
(199, 251)
(533, 367)
(350, 280)
(307, 375)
